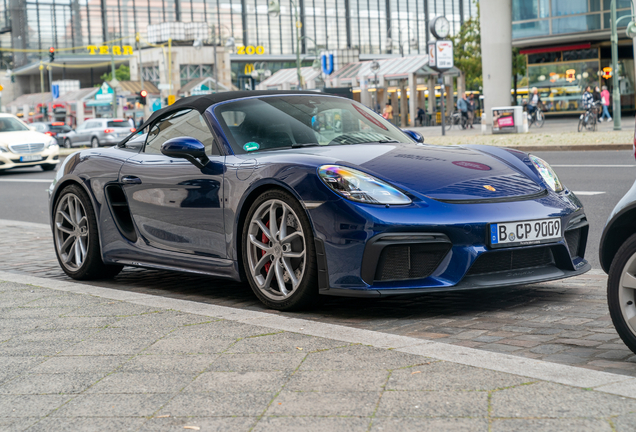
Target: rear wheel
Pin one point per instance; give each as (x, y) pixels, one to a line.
(278, 252)
(621, 292)
(75, 234)
(94, 142)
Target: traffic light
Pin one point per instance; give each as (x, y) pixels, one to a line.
(142, 97)
(51, 54)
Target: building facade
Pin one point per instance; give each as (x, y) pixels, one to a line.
(567, 46)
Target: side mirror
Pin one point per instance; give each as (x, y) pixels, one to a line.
(415, 135)
(187, 148)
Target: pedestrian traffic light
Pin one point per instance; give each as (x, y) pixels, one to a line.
(142, 97)
(51, 54)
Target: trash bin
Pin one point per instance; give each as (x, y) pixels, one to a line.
(509, 119)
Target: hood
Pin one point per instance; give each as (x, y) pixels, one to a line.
(443, 173)
(22, 137)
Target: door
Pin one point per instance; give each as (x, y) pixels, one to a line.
(76, 136)
(175, 205)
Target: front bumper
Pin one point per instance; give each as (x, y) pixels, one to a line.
(442, 247)
(50, 156)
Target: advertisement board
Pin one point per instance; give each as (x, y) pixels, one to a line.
(431, 54)
(503, 120)
(444, 54)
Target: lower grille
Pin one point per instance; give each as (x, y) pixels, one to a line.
(26, 148)
(410, 261)
(573, 239)
(491, 262)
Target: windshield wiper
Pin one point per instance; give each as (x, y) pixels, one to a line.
(299, 145)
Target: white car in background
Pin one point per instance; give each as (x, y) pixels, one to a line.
(20, 146)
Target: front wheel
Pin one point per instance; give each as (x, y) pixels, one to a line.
(75, 234)
(278, 252)
(581, 124)
(94, 142)
(540, 118)
(67, 143)
(621, 292)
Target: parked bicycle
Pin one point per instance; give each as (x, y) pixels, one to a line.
(456, 119)
(589, 119)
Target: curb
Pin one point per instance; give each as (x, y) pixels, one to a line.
(573, 147)
(605, 382)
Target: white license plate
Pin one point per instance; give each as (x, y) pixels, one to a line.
(525, 232)
(30, 158)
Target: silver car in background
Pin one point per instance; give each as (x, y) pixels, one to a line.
(98, 132)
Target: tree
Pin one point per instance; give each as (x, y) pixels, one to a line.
(467, 52)
(122, 73)
(518, 69)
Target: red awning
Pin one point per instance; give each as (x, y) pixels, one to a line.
(555, 49)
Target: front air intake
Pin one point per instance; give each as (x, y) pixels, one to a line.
(410, 261)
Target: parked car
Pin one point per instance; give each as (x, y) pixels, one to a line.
(54, 129)
(20, 146)
(618, 259)
(98, 132)
(240, 185)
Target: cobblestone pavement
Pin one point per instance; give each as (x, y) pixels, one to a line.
(71, 361)
(564, 322)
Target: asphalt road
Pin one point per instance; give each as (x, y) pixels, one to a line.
(600, 178)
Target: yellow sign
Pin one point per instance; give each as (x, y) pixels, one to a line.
(250, 50)
(570, 75)
(1, 88)
(607, 72)
(105, 49)
(249, 68)
(171, 99)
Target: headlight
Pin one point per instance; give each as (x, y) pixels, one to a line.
(548, 174)
(357, 186)
(51, 142)
(3, 149)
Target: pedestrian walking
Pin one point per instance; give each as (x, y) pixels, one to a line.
(387, 113)
(462, 106)
(420, 115)
(605, 101)
(471, 110)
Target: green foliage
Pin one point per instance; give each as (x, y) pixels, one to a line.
(122, 73)
(467, 52)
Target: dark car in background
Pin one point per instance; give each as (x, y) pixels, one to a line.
(54, 129)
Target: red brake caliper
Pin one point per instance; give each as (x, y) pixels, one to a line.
(265, 240)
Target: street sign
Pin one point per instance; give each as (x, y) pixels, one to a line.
(55, 89)
(104, 93)
(171, 99)
(163, 86)
(432, 55)
(444, 53)
(1, 88)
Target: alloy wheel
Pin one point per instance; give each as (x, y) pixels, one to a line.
(627, 293)
(276, 249)
(71, 232)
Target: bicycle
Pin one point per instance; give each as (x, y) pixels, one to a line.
(536, 118)
(456, 119)
(589, 119)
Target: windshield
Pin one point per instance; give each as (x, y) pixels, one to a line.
(271, 123)
(8, 124)
(118, 124)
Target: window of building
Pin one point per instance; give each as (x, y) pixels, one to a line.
(151, 74)
(189, 72)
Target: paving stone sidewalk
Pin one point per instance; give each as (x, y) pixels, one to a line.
(73, 361)
(564, 322)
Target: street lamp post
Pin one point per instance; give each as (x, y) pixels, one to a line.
(274, 10)
(616, 94)
(375, 66)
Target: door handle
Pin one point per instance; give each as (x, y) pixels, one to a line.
(131, 180)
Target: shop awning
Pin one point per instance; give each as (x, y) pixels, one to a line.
(289, 76)
(391, 69)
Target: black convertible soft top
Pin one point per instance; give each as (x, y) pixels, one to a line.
(203, 102)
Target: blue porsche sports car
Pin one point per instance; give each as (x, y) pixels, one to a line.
(303, 194)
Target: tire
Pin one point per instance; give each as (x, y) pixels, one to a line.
(94, 142)
(264, 254)
(48, 167)
(540, 118)
(449, 123)
(621, 299)
(67, 143)
(76, 237)
(580, 127)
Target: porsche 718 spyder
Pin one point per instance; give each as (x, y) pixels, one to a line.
(303, 194)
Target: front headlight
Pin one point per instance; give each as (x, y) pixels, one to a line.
(548, 174)
(51, 142)
(3, 149)
(361, 187)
